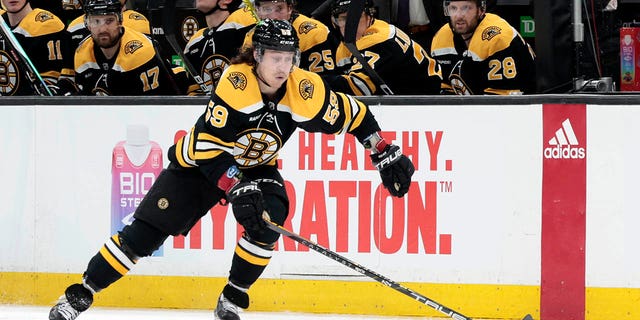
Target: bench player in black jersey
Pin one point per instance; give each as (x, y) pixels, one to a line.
(481, 54)
(210, 49)
(41, 35)
(231, 153)
(402, 64)
(117, 60)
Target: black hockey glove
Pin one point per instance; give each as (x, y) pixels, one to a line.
(395, 169)
(246, 198)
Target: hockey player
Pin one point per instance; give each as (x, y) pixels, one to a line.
(402, 64)
(77, 30)
(262, 95)
(480, 53)
(41, 34)
(117, 60)
(317, 44)
(210, 50)
(130, 19)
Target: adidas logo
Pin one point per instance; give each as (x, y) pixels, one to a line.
(565, 144)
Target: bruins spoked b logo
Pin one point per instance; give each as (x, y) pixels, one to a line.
(163, 203)
(9, 75)
(256, 146)
(189, 26)
(212, 69)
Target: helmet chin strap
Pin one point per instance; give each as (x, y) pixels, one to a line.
(22, 8)
(214, 9)
(255, 71)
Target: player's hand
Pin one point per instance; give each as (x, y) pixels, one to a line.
(395, 169)
(246, 199)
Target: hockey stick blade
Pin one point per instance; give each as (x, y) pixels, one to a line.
(365, 271)
(22, 58)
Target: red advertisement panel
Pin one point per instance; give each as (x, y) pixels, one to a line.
(563, 212)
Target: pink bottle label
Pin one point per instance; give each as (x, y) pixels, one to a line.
(130, 183)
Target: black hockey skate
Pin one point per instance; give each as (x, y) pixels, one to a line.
(75, 300)
(229, 304)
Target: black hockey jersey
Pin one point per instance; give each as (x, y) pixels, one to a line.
(136, 69)
(42, 37)
(399, 61)
(210, 50)
(240, 127)
(498, 60)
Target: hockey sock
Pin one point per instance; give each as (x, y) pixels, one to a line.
(249, 261)
(110, 264)
(121, 252)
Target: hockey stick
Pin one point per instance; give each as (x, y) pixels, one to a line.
(166, 68)
(22, 58)
(368, 272)
(321, 9)
(351, 27)
(168, 20)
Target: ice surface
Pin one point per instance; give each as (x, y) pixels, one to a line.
(20, 312)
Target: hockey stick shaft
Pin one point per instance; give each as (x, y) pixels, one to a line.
(168, 20)
(365, 271)
(353, 19)
(19, 54)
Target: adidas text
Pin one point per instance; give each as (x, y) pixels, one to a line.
(564, 152)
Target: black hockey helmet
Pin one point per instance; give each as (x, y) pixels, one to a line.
(482, 4)
(275, 35)
(103, 7)
(342, 6)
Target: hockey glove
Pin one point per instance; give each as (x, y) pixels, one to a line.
(246, 198)
(395, 169)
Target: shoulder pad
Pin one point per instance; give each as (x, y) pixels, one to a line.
(76, 24)
(238, 88)
(378, 32)
(493, 34)
(310, 32)
(41, 22)
(135, 50)
(238, 19)
(84, 57)
(136, 21)
(342, 55)
(442, 40)
(305, 94)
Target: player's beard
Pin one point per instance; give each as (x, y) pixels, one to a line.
(106, 40)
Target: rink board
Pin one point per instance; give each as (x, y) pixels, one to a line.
(473, 233)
